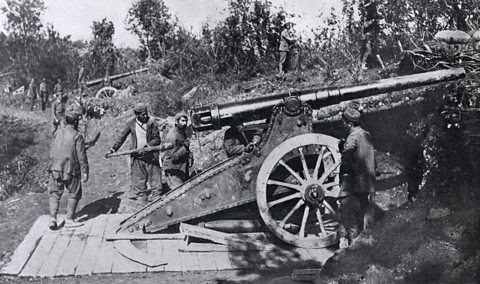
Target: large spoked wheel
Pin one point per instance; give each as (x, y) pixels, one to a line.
(297, 189)
(106, 92)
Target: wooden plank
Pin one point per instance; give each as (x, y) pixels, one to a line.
(223, 261)
(320, 255)
(73, 252)
(122, 264)
(171, 255)
(155, 247)
(190, 260)
(220, 237)
(26, 247)
(125, 236)
(40, 254)
(107, 251)
(255, 259)
(92, 247)
(49, 266)
(308, 274)
(240, 260)
(207, 261)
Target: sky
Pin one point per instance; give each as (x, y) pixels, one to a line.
(75, 17)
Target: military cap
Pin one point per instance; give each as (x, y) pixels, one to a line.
(73, 112)
(351, 115)
(179, 115)
(140, 107)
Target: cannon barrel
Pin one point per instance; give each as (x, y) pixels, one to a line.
(216, 116)
(115, 77)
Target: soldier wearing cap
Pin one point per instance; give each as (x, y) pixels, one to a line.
(357, 179)
(58, 112)
(68, 168)
(179, 159)
(145, 166)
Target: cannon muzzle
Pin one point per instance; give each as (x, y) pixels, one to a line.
(216, 116)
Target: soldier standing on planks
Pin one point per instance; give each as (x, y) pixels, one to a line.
(178, 161)
(145, 166)
(68, 168)
(357, 172)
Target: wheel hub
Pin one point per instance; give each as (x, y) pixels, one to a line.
(313, 194)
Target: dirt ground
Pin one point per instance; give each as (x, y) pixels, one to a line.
(433, 240)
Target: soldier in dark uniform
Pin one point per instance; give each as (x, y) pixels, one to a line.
(58, 112)
(357, 179)
(178, 160)
(68, 168)
(236, 142)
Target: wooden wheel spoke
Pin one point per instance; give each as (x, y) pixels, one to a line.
(304, 221)
(284, 184)
(329, 171)
(292, 172)
(290, 213)
(330, 184)
(304, 164)
(284, 199)
(320, 222)
(318, 163)
(329, 207)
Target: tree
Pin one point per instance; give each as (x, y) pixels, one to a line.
(151, 21)
(24, 27)
(103, 53)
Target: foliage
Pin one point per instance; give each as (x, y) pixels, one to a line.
(14, 137)
(103, 54)
(151, 21)
(24, 27)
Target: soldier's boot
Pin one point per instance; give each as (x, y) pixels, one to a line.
(53, 204)
(71, 207)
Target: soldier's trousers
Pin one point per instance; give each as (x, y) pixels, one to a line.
(144, 172)
(355, 213)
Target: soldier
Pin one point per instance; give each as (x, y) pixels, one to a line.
(43, 93)
(32, 93)
(357, 179)
(177, 161)
(288, 50)
(58, 113)
(81, 81)
(58, 88)
(235, 141)
(145, 166)
(68, 165)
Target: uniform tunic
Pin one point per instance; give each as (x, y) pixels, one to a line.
(68, 161)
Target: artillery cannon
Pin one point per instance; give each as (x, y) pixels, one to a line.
(107, 90)
(293, 175)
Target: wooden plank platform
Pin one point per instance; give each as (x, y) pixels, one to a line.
(85, 251)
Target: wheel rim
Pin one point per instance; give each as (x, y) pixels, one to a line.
(106, 92)
(297, 188)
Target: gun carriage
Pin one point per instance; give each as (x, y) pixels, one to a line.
(108, 90)
(292, 175)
